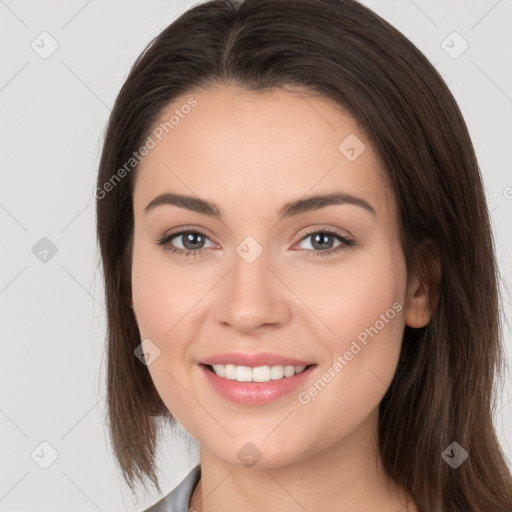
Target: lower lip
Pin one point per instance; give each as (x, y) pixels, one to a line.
(255, 393)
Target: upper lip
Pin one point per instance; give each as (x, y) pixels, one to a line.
(254, 360)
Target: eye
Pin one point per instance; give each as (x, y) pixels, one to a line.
(192, 242)
(322, 242)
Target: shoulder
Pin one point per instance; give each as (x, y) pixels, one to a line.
(179, 498)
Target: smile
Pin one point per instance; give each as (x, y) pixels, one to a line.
(240, 384)
(258, 374)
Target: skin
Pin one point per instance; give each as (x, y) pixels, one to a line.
(251, 153)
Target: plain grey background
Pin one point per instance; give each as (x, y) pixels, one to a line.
(62, 66)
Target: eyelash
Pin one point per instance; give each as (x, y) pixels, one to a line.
(346, 243)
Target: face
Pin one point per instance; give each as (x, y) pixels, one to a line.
(324, 284)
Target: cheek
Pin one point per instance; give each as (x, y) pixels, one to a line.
(164, 292)
(374, 312)
(349, 297)
(361, 308)
(167, 298)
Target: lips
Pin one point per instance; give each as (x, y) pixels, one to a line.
(257, 393)
(254, 360)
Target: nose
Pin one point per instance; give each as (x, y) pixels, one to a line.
(251, 297)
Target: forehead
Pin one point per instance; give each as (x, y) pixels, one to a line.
(259, 148)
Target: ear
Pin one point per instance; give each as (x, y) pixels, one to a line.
(423, 286)
(417, 310)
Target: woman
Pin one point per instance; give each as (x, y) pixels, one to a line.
(299, 267)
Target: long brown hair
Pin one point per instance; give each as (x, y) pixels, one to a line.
(445, 384)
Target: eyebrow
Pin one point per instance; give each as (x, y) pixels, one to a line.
(290, 209)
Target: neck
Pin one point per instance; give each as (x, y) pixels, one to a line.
(348, 476)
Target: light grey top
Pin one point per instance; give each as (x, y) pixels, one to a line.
(179, 498)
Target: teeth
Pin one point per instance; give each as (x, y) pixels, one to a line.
(258, 374)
